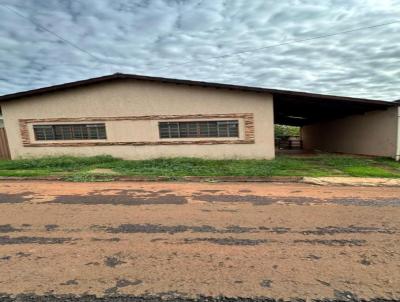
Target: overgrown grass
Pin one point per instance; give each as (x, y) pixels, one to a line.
(88, 177)
(61, 163)
(79, 168)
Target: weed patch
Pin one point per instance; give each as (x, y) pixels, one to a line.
(80, 169)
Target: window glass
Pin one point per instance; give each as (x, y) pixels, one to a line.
(199, 129)
(70, 132)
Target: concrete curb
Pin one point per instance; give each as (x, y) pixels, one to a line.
(352, 181)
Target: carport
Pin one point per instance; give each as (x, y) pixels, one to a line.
(341, 124)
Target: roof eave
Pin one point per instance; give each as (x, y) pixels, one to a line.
(115, 76)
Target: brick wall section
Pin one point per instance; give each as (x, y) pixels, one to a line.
(248, 118)
(249, 127)
(23, 127)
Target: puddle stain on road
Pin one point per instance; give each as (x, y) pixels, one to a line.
(259, 200)
(120, 199)
(6, 240)
(332, 230)
(51, 227)
(114, 239)
(333, 242)
(134, 197)
(158, 228)
(120, 284)
(7, 228)
(15, 198)
(229, 241)
(204, 229)
(70, 282)
(254, 199)
(235, 229)
(113, 261)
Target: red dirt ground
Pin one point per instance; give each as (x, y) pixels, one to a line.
(231, 239)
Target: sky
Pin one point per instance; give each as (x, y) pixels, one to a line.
(194, 39)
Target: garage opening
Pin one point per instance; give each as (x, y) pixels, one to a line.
(287, 139)
(334, 124)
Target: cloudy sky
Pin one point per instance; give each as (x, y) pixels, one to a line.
(181, 38)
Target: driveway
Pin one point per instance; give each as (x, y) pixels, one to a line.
(182, 240)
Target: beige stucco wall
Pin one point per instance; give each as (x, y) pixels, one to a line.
(140, 98)
(398, 134)
(372, 133)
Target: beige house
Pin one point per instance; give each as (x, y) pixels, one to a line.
(139, 117)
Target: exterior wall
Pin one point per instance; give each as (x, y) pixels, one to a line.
(398, 134)
(373, 133)
(131, 111)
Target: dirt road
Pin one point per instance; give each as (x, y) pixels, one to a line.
(182, 240)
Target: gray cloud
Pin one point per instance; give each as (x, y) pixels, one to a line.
(159, 37)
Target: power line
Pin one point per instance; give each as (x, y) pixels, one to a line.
(279, 44)
(50, 31)
(72, 44)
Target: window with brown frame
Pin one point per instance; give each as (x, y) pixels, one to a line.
(69, 132)
(228, 128)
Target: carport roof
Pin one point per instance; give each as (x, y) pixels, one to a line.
(290, 107)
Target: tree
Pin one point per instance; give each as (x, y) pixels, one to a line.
(283, 130)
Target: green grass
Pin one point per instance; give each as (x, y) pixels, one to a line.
(88, 177)
(78, 168)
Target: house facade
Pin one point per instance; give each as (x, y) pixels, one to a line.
(141, 120)
(137, 117)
